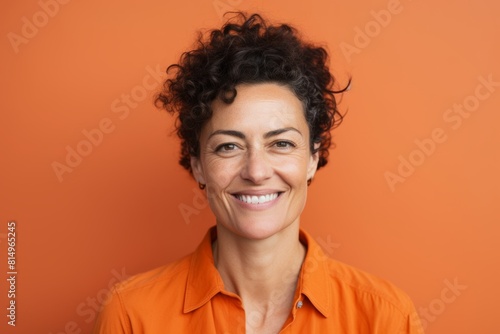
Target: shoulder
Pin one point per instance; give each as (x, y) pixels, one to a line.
(142, 296)
(361, 302)
(351, 286)
(368, 288)
(172, 275)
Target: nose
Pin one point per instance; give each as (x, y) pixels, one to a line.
(257, 167)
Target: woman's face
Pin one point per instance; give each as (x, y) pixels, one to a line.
(255, 160)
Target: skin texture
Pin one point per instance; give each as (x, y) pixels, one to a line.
(255, 146)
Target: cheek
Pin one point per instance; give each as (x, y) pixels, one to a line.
(220, 172)
(293, 169)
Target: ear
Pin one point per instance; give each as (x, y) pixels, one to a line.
(197, 169)
(313, 162)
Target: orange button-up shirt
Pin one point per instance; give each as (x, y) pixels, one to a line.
(188, 296)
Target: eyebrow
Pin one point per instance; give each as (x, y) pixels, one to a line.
(241, 135)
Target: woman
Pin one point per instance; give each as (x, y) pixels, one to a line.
(255, 107)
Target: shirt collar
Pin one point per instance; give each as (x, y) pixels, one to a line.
(314, 277)
(204, 281)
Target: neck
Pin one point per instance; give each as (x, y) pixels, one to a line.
(262, 272)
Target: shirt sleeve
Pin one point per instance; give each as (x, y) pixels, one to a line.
(112, 317)
(412, 324)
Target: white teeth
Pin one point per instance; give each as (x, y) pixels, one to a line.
(257, 199)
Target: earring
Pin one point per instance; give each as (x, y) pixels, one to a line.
(309, 182)
(201, 185)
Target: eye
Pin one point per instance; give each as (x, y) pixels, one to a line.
(284, 144)
(228, 147)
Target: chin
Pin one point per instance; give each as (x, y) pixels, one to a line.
(259, 230)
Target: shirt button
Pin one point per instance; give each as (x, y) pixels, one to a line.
(299, 304)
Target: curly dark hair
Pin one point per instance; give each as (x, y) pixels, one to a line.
(247, 49)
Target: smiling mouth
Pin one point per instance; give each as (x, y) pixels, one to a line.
(261, 199)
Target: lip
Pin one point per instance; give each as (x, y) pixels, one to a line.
(259, 192)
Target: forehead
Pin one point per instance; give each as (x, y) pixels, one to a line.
(265, 105)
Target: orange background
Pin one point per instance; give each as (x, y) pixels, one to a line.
(119, 209)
